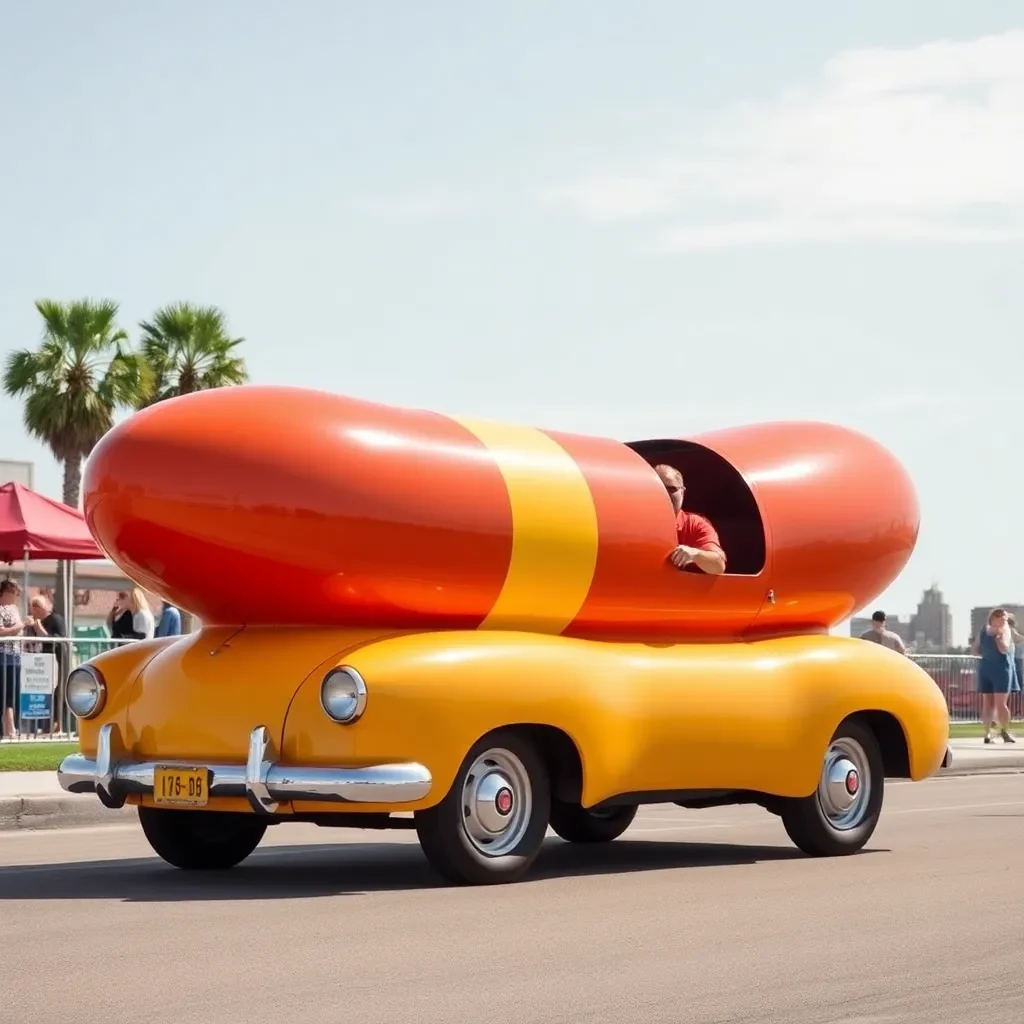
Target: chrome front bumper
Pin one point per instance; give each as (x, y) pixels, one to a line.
(113, 776)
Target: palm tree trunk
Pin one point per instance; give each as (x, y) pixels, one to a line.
(63, 601)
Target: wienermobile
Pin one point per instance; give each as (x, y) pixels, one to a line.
(478, 623)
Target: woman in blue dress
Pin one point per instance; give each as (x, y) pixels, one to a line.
(997, 674)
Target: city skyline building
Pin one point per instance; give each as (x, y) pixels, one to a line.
(900, 626)
(980, 614)
(928, 630)
(931, 627)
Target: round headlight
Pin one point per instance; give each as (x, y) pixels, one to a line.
(85, 692)
(343, 695)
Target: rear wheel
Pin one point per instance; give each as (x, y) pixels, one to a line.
(201, 840)
(490, 827)
(577, 824)
(842, 813)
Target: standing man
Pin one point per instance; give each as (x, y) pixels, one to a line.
(878, 634)
(43, 622)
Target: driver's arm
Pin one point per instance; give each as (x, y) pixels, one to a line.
(705, 552)
(711, 560)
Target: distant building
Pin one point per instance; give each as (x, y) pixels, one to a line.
(96, 585)
(928, 630)
(979, 616)
(16, 471)
(901, 627)
(931, 627)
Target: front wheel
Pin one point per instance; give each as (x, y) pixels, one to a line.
(576, 824)
(201, 840)
(490, 826)
(841, 815)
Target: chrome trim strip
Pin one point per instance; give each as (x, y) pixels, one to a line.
(112, 777)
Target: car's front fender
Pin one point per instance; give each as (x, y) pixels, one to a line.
(431, 696)
(120, 668)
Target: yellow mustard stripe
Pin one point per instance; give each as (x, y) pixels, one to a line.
(554, 529)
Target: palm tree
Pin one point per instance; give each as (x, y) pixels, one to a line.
(189, 349)
(74, 383)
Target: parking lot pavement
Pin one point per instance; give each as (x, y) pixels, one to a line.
(693, 917)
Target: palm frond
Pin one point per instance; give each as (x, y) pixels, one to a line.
(190, 350)
(70, 391)
(21, 371)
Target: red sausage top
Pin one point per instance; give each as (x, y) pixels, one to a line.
(224, 501)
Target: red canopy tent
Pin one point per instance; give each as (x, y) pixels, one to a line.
(34, 526)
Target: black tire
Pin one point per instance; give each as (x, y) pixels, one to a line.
(201, 840)
(806, 820)
(576, 824)
(446, 831)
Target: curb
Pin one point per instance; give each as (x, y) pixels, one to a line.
(54, 812)
(981, 762)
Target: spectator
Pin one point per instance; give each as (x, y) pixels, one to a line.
(143, 623)
(119, 621)
(44, 621)
(997, 675)
(880, 635)
(170, 621)
(10, 657)
(1018, 649)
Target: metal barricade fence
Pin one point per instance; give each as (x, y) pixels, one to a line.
(32, 675)
(33, 672)
(956, 675)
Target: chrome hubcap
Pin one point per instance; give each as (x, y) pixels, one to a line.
(497, 801)
(844, 791)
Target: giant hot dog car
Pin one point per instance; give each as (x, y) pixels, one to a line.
(480, 624)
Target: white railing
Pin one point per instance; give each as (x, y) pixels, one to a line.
(32, 675)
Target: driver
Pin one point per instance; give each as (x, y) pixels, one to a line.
(698, 543)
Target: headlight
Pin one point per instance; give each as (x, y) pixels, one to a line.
(85, 692)
(343, 695)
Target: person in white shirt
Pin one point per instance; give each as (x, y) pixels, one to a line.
(10, 657)
(143, 623)
(880, 635)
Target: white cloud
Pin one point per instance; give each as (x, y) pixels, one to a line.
(918, 144)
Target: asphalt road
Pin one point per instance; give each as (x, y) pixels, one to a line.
(691, 917)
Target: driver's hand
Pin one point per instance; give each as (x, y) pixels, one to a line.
(682, 556)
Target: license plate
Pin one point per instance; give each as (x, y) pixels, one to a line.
(184, 786)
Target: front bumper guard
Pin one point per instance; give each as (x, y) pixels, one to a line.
(113, 776)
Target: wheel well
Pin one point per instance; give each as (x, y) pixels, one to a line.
(892, 741)
(561, 756)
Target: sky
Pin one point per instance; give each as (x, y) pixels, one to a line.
(631, 220)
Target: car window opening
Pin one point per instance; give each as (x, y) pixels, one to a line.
(716, 490)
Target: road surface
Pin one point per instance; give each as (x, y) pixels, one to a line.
(691, 917)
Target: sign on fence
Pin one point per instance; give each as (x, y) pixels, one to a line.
(38, 675)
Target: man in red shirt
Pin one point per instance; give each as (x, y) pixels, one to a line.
(698, 543)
